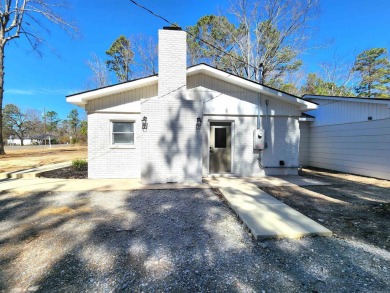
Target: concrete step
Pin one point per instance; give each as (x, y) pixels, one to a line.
(33, 172)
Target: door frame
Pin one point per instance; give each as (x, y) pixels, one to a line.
(232, 139)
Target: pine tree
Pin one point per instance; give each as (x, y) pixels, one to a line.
(122, 56)
(373, 66)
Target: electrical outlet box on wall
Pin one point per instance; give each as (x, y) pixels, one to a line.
(258, 139)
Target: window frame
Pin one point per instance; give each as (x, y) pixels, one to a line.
(122, 145)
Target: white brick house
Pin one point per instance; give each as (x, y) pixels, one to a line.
(187, 123)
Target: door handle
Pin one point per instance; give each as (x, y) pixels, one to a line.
(211, 150)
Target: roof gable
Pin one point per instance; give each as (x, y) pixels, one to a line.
(81, 99)
(251, 85)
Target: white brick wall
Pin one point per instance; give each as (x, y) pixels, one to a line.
(171, 145)
(105, 161)
(171, 149)
(172, 61)
(282, 137)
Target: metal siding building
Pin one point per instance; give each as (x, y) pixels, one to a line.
(348, 135)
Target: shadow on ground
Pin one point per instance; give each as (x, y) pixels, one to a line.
(165, 240)
(353, 207)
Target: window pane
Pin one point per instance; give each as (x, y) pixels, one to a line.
(123, 126)
(220, 138)
(123, 138)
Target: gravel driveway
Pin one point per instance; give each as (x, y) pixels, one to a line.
(166, 240)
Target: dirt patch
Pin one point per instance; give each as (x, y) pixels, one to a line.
(66, 173)
(21, 158)
(353, 207)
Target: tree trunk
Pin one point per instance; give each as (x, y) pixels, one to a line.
(2, 152)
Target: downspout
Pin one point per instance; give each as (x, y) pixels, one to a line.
(261, 69)
(266, 124)
(261, 153)
(258, 111)
(259, 101)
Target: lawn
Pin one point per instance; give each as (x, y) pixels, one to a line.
(26, 157)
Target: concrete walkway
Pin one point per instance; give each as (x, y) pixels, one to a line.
(265, 216)
(269, 181)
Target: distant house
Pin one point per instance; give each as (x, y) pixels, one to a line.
(347, 134)
(17, 141)
(33, 140)
(187, 123)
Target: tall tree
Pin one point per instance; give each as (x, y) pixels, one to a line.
(271, 32)
(373, 67)
(26, 18)
(64, 131)
(209, 38)
(121, 57)
(100, 76)
(73, 120)
(146, 53)
(52, 121)
(19, 123)
(275, 34)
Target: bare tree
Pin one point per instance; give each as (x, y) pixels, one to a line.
(146, 53)
(338, 72)
(273, 32)
(100, 76)
(27, 18)
(335, 78)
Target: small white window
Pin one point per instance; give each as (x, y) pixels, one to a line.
(123, 133)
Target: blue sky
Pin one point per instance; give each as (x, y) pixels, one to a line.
(344, 26)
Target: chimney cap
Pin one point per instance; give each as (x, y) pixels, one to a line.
(172, 28)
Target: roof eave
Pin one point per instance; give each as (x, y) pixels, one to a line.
(82, 99)
(306, 119)
(351, 99)
(202, 68)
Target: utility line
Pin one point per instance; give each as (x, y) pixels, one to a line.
(192, 35)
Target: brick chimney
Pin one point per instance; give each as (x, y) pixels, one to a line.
(172, 60)
(171, 145)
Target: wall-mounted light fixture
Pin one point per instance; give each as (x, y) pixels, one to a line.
(198, 123)
(144, 123)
